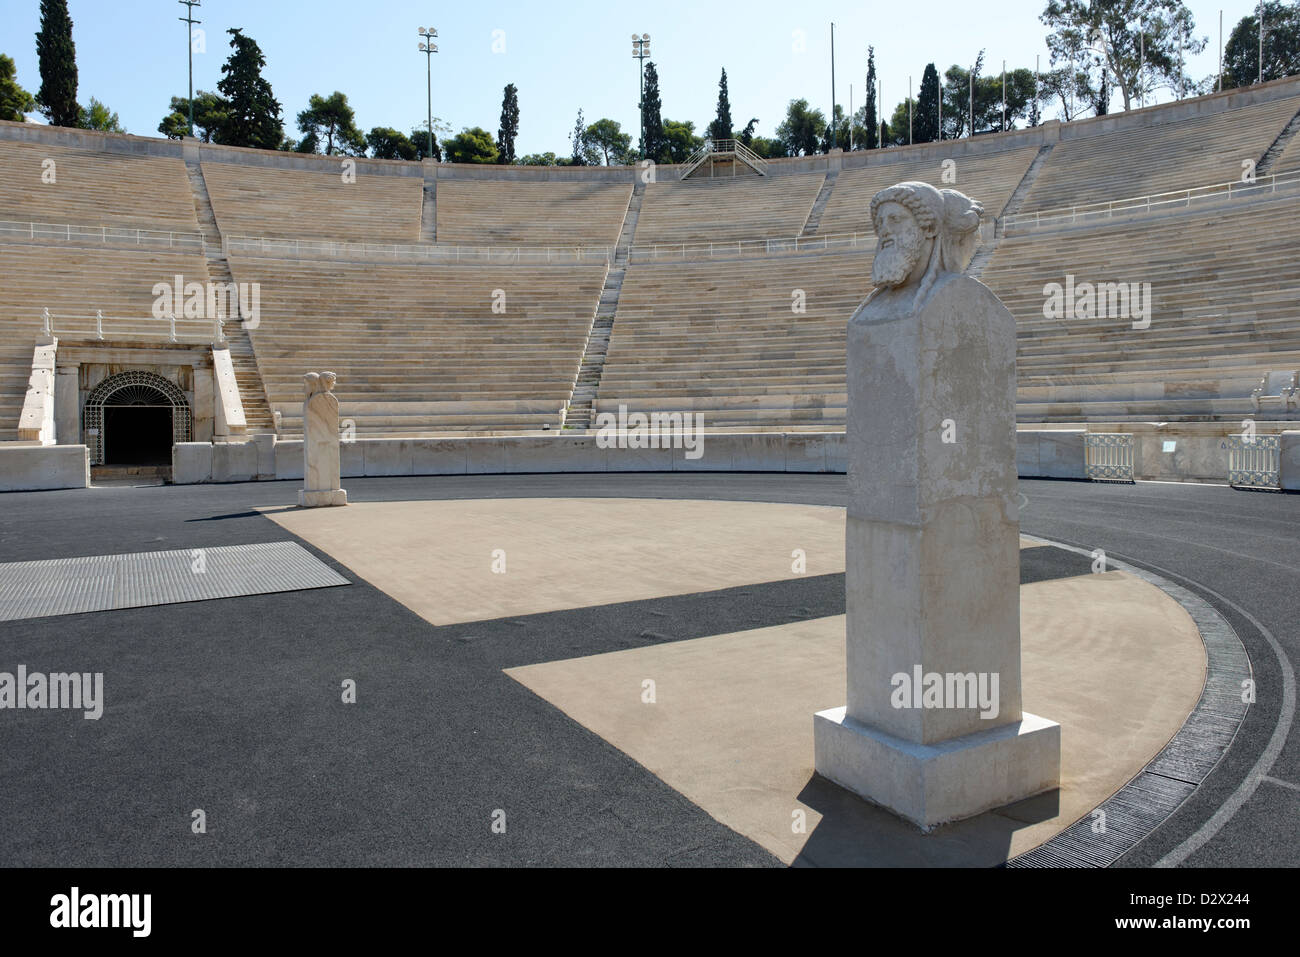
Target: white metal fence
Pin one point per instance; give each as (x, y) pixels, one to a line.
(102, 328)
(747, 248)
(1108, 456)
(1155, 202)
(105, 235)
(1255, 461)
(410, 253)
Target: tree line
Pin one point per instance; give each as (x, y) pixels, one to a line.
(1099, 50)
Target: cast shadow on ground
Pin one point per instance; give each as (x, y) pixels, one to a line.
(855, 833)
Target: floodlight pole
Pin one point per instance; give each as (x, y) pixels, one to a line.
(641, 50)
(1220, 51)
(909, 111)
(1004, 96)
(189, 42)
(1261, 41)
(429, 48)
(834, 125)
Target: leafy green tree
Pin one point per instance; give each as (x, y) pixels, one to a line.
(420, 138)
(871, 107)
(957, 98)
(1241, 63)
(1073, 93)
(472, 145)
(746, 136)
(679, 135)
(1137, 42)
(767, 148)
(210, 114)
(97, 116)
(925, 122)
(540, 159)
(720, 128)
(802, 129)
(654, 144)
(607, 136)
(329, 126)
(584, 153)
(254, 114)
(509, 124)
(988, 103)
(387, 143)
(14, 100)
(57, 96)
(840, 130)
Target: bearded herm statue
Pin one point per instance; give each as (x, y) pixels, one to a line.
(932, 573)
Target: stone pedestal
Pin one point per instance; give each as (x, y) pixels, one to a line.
(933, 728)
(322, 473)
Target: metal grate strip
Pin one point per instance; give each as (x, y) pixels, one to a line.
(70, 586)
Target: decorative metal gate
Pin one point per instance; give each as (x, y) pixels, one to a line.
(140, 389)
(1255, 462)
(1108, 456)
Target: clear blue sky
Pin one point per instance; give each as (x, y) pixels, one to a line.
(131, 54)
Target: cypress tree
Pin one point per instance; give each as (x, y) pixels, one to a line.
(655, 143)
(509, 124)
(720, 128)
(873, 128)
(925, 124)
(58, 58)
(254, 116)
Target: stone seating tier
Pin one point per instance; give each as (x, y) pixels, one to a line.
(1137, 161)
(259, 201)
(401, 337)
(497, 212)
(990, 178)
(724, 209)
(94, 188)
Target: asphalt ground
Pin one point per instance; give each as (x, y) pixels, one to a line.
(235, 706)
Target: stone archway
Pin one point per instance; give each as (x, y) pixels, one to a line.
(134, 418)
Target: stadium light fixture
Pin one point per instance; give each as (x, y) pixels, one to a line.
(429, 48)
(641, 50)
(189, 42)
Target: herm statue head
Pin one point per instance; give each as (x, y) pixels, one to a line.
(924, 233)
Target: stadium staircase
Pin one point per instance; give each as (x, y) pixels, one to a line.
(1265, 165)
(257, 410)
(819, 204)
(985, 252)
(587, 382)
(429, 212)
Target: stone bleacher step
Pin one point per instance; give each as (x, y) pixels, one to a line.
(819, 204)
(1265, 165)
(985, 252)
(252, 392)
(587, 381)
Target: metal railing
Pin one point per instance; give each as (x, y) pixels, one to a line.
(411, 253)
(105, 235)
(1255, 461)
(712, 147)
(102, 328)
(745, 248)
(1108, 456)
(1154, 202)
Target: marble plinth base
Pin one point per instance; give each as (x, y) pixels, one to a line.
(322, 499)
(933, 784)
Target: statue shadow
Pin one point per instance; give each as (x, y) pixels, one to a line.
(854, 832)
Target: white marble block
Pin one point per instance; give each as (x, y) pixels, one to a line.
(933, 728)
(322, 471)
